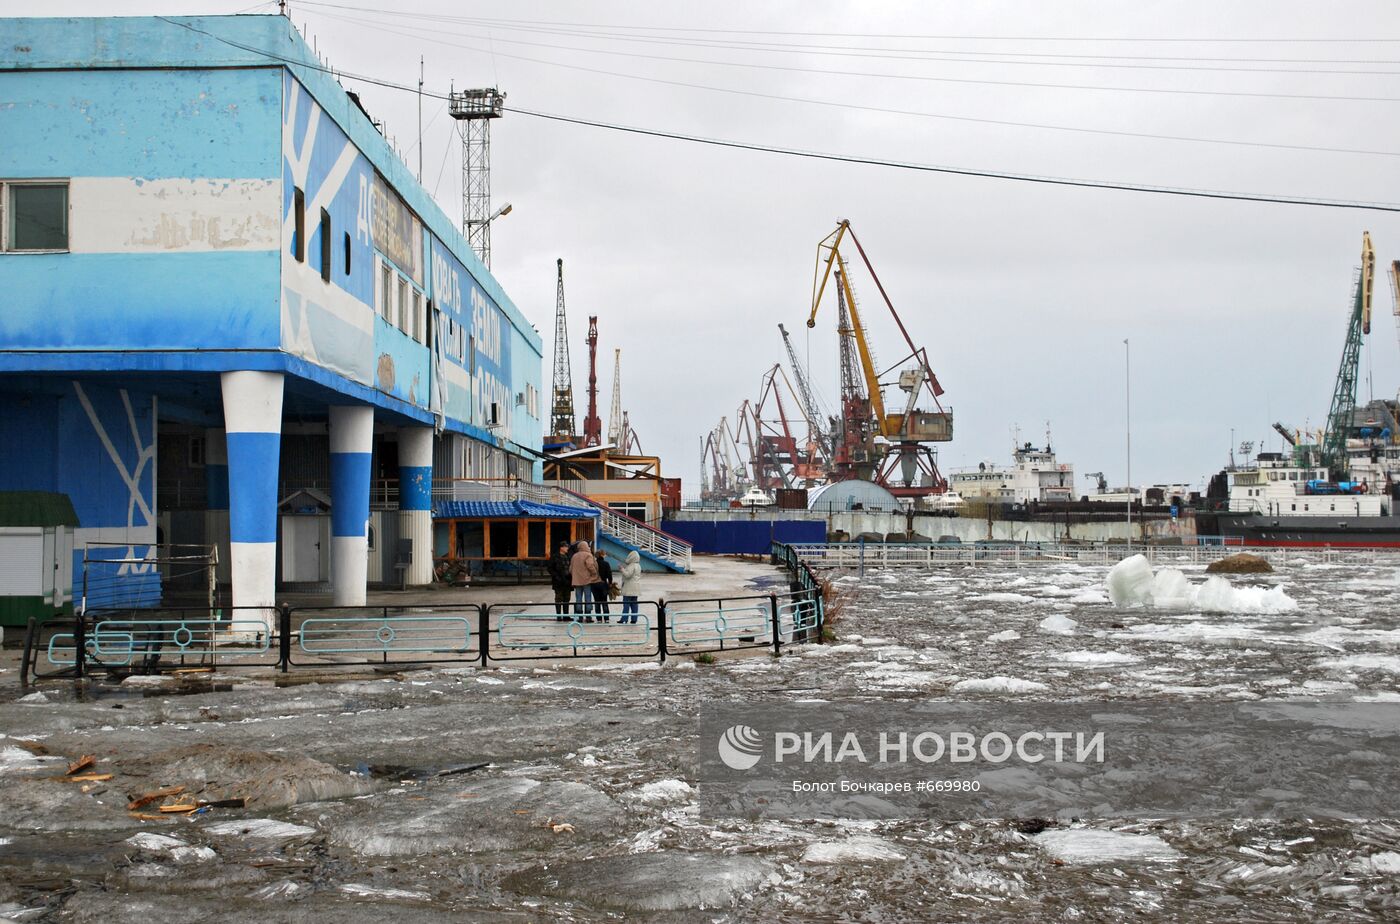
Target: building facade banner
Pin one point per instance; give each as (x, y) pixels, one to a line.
(486, 353)
(398, 233)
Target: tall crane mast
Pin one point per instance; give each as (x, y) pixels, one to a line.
(815, 421)
(907, 433)
(615, 428)
(1339, 418)
(592, 425)
(853, 453)
(562, 413)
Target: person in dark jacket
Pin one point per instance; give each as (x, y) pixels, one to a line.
(601, 588)
(561, 579)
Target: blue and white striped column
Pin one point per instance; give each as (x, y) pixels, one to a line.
(416, 499)
(216, 498)
(352, 440)
(253, 433)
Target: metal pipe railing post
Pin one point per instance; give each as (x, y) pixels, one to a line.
(483, 633)
(284, 636)
(661, 629)
(80, 644)
(777, 629)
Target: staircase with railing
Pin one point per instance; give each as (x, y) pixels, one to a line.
(647, 540)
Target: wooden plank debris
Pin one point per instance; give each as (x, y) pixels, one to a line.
(154, 795)
(81, 764)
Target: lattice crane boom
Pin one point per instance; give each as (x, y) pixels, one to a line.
(815, 420)
(562, 411)
(615, 422)
(1339, 417)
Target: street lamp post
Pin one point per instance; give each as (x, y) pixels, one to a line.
(484, 224)
(1128, 429)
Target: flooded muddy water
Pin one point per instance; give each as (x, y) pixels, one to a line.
(565, 793)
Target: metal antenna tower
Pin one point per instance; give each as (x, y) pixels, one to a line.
(615, 413)
(562, 415)
(592, 425)
(477, 108)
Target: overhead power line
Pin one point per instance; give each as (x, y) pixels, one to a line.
(889, 110)
(901, 35)
(967, 171)
(432, 35)
(819, 155)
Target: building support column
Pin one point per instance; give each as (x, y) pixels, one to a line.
(352, 439)
(216, 498)
(253, 428)
(416, 500)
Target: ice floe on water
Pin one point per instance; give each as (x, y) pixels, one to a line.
(998, 685)
(1091, 845)
(1006, 635)
(1132, 582)
(1002, 598)
(858, 849)
(1097, 658)
(373, 893)
(15, 759)
(258, 828)
(664, 791)
(1389, 664)
(1058, 625)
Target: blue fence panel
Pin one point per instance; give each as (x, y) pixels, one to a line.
(744, 537)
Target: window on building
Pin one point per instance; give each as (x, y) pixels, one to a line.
(386, 292)
(471, 539)
(637, 510)
(196, 452)
(34, 216)
(299, 233)
(419, 322)
(505, 539)
(402, 320)
(347, 253)
(536, 539)
(325, 246)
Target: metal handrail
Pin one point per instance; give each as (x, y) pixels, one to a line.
(888, 555)
(635, 532)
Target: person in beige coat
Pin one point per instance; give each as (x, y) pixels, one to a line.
(583, 572)
(631, 575)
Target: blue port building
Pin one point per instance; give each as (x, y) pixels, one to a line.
(226, 304)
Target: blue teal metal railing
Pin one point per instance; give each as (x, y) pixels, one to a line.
(288, 637)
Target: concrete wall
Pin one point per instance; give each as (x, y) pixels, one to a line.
(967, 529)
(173, 213)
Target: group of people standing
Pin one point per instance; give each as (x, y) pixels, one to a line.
(588, 576)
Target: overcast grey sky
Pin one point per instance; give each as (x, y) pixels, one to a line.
(1023, 294)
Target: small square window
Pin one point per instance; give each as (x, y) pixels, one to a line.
(38, 216)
